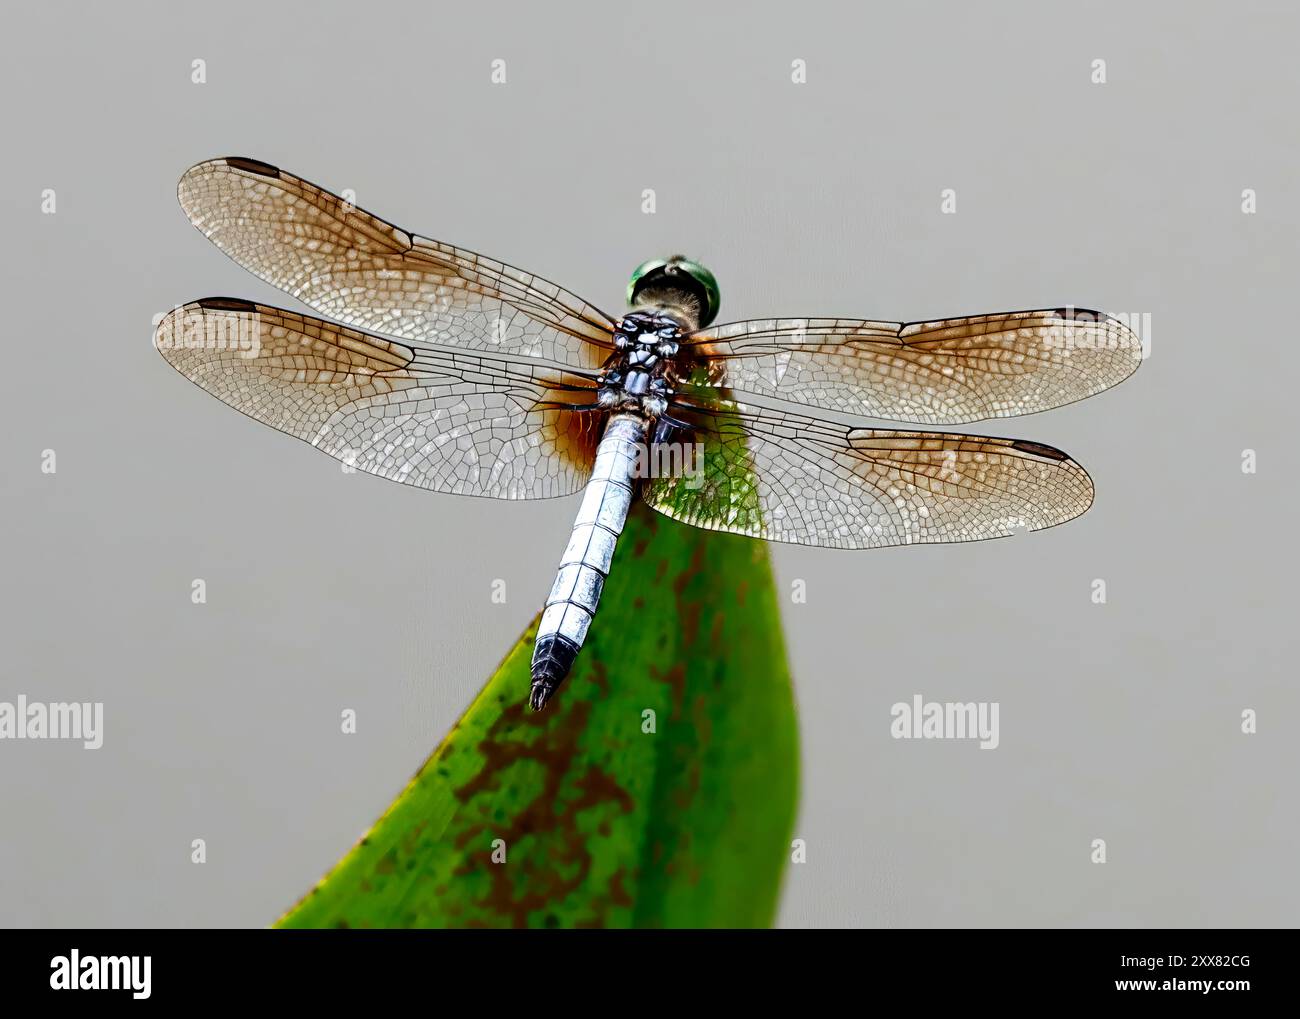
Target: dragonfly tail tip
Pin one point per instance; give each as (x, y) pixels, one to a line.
(553, 656)
(541, 693)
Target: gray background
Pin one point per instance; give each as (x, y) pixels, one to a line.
(328, 591)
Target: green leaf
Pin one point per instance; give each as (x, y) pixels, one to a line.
(602, 823)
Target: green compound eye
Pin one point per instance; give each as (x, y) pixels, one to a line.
(704, 280)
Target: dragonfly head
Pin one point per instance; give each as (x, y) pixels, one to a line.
(678, 285)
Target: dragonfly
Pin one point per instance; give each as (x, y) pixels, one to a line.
(453, 372)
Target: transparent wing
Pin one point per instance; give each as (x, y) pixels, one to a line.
(354, 267)
(786, 477)
(945, 372)
(445, 420)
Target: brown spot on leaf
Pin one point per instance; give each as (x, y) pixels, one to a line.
(688, 609)
(619, 895)
(675, 676)
(523, 886)
(599, 674)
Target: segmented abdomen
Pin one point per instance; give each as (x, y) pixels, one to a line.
(585, 563)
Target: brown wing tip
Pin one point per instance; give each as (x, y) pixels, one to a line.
(252, 166)
(1089, 316)
(1038, 449)
(1074, 312)
(226, 304)
(1119, 339)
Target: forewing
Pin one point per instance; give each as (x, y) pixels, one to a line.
(786, 477)
(944, 372)
(358, 269)
(445, 420)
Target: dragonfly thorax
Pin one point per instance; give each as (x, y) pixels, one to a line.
(650, 331)
(636, 376)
